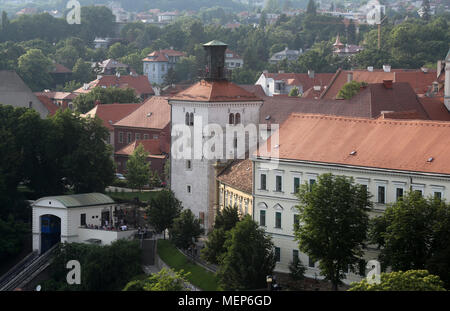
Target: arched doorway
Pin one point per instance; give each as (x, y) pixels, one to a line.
(50, 231)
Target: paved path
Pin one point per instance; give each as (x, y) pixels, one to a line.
(121, 189)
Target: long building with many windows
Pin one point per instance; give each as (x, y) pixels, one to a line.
(389, 156)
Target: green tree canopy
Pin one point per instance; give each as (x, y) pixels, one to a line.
(162, 210)
(411, 280)
(333, 224)
(34, 68)
(350, 89)
(138, 168)
(185, 229)
(164, 280)
(249, 257)
(110, 95)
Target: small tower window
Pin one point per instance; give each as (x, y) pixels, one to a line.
(231, 118)
(237, 119)
(191, 119)
(187, 118)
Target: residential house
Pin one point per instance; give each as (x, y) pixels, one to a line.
(290, 55)
(345, 50)
(282, 83)
(14, 92)
(111, 67)
(60, 99)
(139, 83)
(233, 60)
(388, 156)
(157, 64)
(60, 74)
(149, 122)
(110, 114)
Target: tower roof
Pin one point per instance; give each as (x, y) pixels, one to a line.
(215, 43)
(338, 41)
(215, 91)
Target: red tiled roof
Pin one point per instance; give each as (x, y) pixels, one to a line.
(381, 143)
(47, 102)
(152, 146)
(418, 80)
(111, 113)
(234, 54)
(161, 55)
(254, 88)
(239, 175)
(153, 113)
(58, 68)
(435, 108)
(139, 83)
(215, 91)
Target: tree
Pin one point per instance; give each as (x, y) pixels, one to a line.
(311, 8)
(411, 280)
(34, 68)
(294, 92)
(185, 229)
(67, 56)
(170, 78)
(12, 234)
(117, 50)
(162, 210)
(249, 257)
(297, 269)
(426, 10)
(164, 280)
(350, 89)
(85, 102)
(82, 71)
(334, 221)
(226, 219)
(414, 234)
(138, 168)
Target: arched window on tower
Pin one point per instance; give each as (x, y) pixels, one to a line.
(191, 119)
(231, 118)
(187, 118)
(237, 118)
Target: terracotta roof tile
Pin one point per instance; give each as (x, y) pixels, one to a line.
(383, 143)
(239, 175)
(153, 113)
(47, 102)
(139, 83)
(215, 91)
(435, 108)
(111, 113)
(152, 146)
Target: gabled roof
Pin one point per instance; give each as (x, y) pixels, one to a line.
(111, 113)
(154, 113)
(239, 175)
(47, 102)
(152, 146)
(234, 54)
(112, 63)
(58, 68)
(162, 55)
(79, 200)
(215, 91)
(139, 83)
(405, 145)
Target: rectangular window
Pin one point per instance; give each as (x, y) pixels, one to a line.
(108, 140)
(294, 254)
(155, 136)
(381, 194)
(310, 263)
(277, 254)
(438, 195)
(188, 164)
(188, 189)
(202, 218)
(279, 184)
(129, 137)
(399, 193)
(263, 181)
(83, 219)
(120, 137)
(277, 220)
(312, 182)
(145, 136)
(262, 218)
(137, 136)
(296, 184)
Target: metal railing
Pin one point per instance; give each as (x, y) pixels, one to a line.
(26, 270)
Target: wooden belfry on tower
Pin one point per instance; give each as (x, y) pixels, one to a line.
(215, 60)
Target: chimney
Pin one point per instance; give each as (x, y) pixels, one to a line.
(387, 68)
(370, 68)
(387, 84)
(424, 69)
(440, 66)
(349, 77)
(311, 74)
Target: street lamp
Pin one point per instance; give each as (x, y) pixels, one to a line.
(269, 282)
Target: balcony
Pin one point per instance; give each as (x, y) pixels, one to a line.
(106, 236)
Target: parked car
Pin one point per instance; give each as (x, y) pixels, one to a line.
(120, 176)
